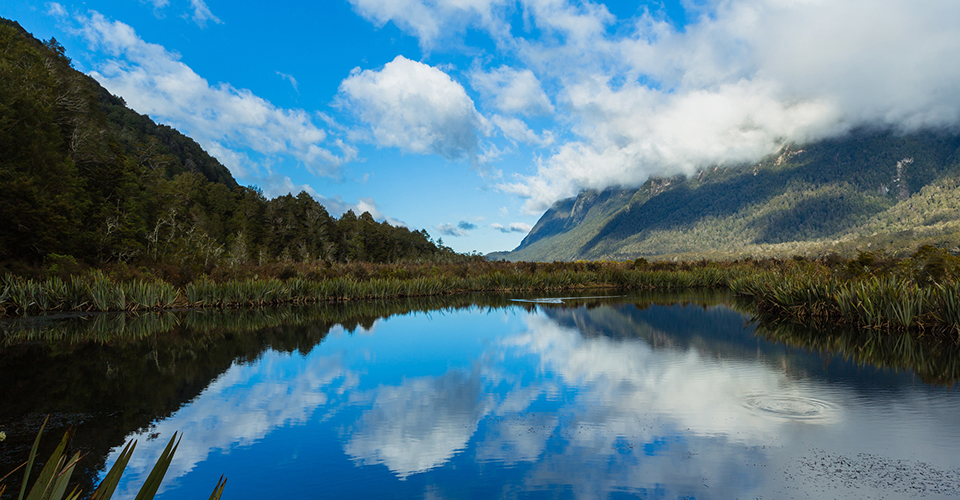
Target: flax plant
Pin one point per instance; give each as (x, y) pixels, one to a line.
(53, 480)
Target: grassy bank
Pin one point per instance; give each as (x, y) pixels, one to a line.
(99, 292)
(920, 294)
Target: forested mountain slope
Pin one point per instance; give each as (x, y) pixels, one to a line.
(867, 190)
(83, 176)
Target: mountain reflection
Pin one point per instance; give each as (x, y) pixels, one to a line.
(238, 409)
(654, 400)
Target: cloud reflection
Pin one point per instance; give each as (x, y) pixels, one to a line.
(420, 424)
(238, 409)
(563, 411)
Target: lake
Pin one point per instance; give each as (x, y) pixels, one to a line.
(637, 396)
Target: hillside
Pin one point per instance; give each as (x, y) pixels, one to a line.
(865, 191)
(86, 180)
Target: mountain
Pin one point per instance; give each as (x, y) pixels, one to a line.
(87, 112)
(70, 148)
(86, 180)
(867, 190)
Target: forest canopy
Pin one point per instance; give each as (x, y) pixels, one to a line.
(83, 176)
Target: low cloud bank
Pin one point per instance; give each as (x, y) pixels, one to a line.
(641, 97)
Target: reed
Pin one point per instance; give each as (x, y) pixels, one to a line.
(906, 298)
(96, 292)
(886, 302)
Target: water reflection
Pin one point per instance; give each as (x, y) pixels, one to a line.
(239, 409)
(590, 399)
(418, 425)
(934, 359)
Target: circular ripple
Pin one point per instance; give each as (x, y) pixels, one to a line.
(790, 407)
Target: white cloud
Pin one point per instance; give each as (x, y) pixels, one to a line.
(365, 204)
(634, 132)
(433, 20)
(220, 117)
(337, 207)
(448, 229)
(641, 97)
(520, 227)
(579, 24)
(414, 107)
(743, 80)
(157, 4)
(517, 130)
(489, 153)
(513, 91)
(291, 79)
(420, 424)
(56, 10)
(202, 14)
(241, 407)
(514, 227)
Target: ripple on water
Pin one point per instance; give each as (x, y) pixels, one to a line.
(791, 407)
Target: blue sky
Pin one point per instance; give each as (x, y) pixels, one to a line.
(468, 118)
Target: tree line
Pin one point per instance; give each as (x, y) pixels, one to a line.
(83, 176)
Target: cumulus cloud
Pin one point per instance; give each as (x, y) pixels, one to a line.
(641, 97)
(415, 107)
(634, 132)
(513, 91)
(220, 117)
(517, 130)
(741, 82)
(514, 227)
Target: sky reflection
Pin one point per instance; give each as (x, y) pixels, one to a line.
(452, 405)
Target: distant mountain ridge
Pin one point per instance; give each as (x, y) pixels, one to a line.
(866, 190)
(133, 132)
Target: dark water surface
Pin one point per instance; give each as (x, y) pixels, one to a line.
(491, 397)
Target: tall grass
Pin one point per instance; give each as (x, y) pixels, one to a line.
(909, 295)
(96, 292)
(880, 302)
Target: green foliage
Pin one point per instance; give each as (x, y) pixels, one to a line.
(85, 181)
(289, 283)
(918, 294)
(53, 480)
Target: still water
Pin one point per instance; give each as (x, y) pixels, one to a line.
(616, 397)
